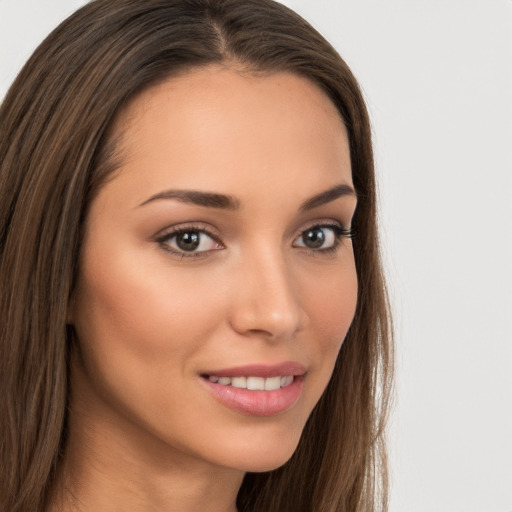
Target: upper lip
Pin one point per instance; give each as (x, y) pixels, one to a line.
(261, 370)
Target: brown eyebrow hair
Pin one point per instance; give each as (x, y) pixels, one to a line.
(222, 201)
(208, 199)
(327, 196)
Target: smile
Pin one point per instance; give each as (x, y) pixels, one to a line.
(257, 390)
(254, 383)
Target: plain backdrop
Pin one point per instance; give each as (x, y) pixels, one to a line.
(437, 75)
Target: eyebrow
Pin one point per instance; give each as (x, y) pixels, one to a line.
(327, 196)
(226, 202)
(207, 199)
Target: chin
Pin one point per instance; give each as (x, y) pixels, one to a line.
(263, 451)
(268, 461)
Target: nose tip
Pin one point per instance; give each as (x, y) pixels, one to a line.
(268, 303)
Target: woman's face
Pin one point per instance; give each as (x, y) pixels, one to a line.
(217, 280)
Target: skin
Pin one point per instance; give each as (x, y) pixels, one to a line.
(145, 431)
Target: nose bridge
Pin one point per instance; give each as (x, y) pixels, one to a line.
(268, 301)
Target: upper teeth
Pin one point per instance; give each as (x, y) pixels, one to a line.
(254, 383)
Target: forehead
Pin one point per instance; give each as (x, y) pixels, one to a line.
(212, 124)
(210, 85)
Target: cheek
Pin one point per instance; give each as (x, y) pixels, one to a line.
(139, 333)
(147, 310)
(331, 304)
(139, 327)
(334, 307)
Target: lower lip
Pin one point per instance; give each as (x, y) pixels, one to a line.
(257, 403)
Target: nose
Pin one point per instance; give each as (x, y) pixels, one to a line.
(267, 302)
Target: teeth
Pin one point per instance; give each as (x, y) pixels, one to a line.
(256, 383)
(253, 383)
(239, 382)
(286, 381)
(273, 383)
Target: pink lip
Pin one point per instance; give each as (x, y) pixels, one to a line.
(258, 403)
(260, 370)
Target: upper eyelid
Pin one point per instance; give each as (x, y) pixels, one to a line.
(337, 227)
(320, 223)
(183, 227)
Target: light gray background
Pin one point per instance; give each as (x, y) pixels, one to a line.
(437, 75)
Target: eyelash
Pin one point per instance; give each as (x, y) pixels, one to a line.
(163, 239)
(339, 233)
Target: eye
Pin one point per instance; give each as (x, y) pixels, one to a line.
(189, 241)
(321, 237)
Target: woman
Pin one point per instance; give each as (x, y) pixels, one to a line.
(187, 323)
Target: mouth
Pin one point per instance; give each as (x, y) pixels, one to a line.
(257, 390)
(252, 383)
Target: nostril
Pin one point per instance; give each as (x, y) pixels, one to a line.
(267, 323)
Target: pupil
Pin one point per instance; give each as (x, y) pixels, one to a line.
(188, 241)
(314, 238)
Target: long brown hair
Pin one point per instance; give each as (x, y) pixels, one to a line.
(54, 154)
